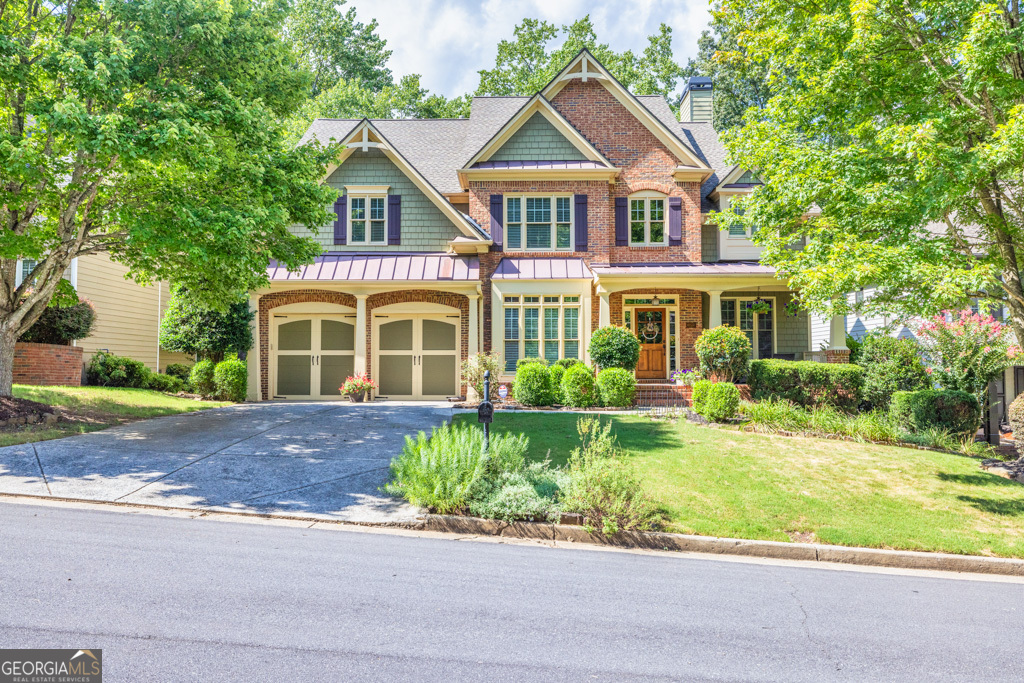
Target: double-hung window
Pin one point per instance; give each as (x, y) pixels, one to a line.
(545, 327)
(27, 266)
(647, 220)
(541, 223)
(367, 216)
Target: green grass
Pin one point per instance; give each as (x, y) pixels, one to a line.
(88, 409)
(721, 482)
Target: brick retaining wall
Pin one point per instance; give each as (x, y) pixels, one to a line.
(47, 364)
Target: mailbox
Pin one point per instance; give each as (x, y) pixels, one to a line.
(485, 413)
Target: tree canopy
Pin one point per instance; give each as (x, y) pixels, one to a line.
(151, 131)
(893, 143)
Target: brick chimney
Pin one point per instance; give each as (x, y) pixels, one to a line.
(697, 99)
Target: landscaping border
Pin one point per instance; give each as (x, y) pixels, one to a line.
(900, 559)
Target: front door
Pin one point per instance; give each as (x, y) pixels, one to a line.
(649, 326)
(312, 355)
(417, 357)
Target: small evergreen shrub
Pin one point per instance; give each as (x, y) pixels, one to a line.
(179, 370)
(532, 386)
(201, 378)
(107, 370)
(890, 365)
(567, 362)
(723, 352)
(614, 347)
(718, 402)
(956, 412)
(62, 325)
(699, 395)
(557, 372)
(579, 390)
(526, 361)
(474, 367)
(807, 383)
(230, 379)
(617, 387)
(165, 383)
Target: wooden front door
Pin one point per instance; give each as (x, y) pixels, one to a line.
(649, 327)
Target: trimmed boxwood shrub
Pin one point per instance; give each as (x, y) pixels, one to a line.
(165, 383)
(723, 352)
(807, 383)
(956, 412)
(62, 325)
(715, 401)
(201, 378)
(579, 390)
(617, 387)
(107, 370)
(231, 379)
(567, 362)
(890, 365)
(614, 347)
(556, 372)
(532, 386)
(179, 370)
(526, 361)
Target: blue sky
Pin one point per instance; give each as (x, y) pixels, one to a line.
(448, 41)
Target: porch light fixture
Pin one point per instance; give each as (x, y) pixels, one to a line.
(655, 300)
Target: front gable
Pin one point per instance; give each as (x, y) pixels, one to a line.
(538, 140)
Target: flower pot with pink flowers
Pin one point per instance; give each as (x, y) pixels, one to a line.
(358, 388)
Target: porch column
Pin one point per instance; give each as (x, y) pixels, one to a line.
(253, 390)
(360, 335)
(715, 309)
(837, 351)
(604, 312)
(474, 325)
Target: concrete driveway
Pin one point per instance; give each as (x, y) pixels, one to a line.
(325, 460)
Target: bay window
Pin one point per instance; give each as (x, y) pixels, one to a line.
(541, 223)
(538, 326)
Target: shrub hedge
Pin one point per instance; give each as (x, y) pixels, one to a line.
(716, 401)
(614, 347)
(617, 387)
(579, 390)
(956, 412)
(526, 361)
(201, 378)
(179, 370)
(807, 383)
(231, 379)
(532, 386)
(890, 365)
(567, 362)
(557, 372)
(166, 383)
(107, 370)
(62, 325)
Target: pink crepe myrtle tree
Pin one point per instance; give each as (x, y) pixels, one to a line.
(967, 350)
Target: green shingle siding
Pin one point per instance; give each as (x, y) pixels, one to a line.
(700, 105)
(424, 227)
(538, 140)
(791, 332)
(709, 243)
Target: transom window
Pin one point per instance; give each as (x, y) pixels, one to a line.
(541, 327)
(647, 220)
(367, 218)
(538, 223)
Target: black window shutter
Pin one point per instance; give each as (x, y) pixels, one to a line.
(394, 219)
(497, 214)
(581, 222)
(341, 220)
(621, 222)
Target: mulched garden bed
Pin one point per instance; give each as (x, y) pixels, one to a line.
(19, 411)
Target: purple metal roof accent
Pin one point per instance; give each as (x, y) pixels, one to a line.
(381, 268)
(542, 269)
(720, 268)
(543, 165)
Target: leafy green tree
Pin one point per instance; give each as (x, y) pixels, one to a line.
(894, 143)
(190, 327)
(739, 82)
(150, 131)
(333, 45)
(527, 63)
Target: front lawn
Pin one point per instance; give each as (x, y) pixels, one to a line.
(87, 409)
(720, 482)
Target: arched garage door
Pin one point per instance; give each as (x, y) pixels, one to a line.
(312, 355)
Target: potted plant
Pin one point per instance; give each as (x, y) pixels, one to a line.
(685, 378)
(356, 388)
(760, 305)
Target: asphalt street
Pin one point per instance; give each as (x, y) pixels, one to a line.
(177, 599)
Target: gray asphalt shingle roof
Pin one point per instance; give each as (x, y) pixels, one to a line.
(439, 147)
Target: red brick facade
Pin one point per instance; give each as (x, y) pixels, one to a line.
(47, 364)
(688, 318)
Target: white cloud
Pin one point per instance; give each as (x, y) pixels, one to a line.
(448, 41)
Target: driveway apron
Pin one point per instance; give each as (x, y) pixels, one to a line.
(317, 459)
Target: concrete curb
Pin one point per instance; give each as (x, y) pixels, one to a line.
(898, 559)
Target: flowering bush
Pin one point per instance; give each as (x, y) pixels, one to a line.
(967, 350)
(356, 384)
(686, 377)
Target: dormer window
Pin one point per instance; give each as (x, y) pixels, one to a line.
(367, 215)
(647, 220)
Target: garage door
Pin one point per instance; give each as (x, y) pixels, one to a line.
(417, 357)
(312, 355)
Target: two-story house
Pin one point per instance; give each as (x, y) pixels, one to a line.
(521, 230)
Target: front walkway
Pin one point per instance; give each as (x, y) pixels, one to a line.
(316, 459)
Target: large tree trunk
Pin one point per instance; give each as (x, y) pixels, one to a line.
(7, 341)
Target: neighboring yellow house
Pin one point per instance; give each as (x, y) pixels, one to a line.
(127, 314)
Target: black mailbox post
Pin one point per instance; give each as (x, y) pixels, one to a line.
(485, 411)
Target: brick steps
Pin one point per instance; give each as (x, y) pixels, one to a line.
(662, 394)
